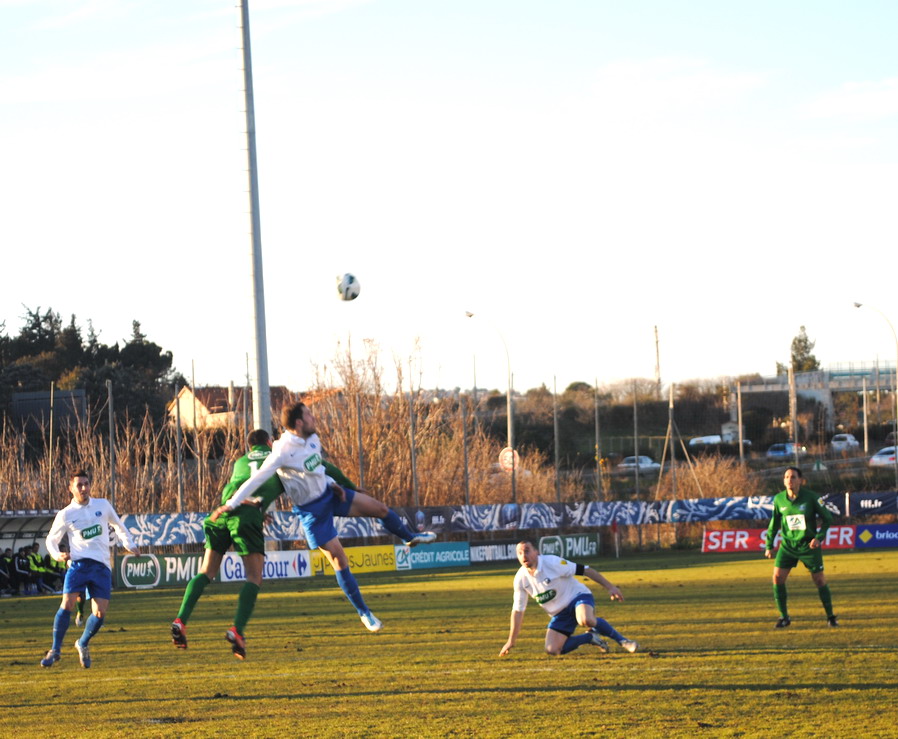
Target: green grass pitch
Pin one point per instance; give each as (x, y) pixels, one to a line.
(712, 663)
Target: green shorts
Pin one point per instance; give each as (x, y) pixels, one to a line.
(787, 558)
(241, 528)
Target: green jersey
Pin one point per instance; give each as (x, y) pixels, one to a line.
(243, 470)
(796, 520)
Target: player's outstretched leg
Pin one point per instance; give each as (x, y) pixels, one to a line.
(350, 587)
(604, 628)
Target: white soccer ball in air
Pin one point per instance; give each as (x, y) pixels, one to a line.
(348, 287)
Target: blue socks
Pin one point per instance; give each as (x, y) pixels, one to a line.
(603, 628)
(575, 641)
(90, 629)
(60, 626)
(347, 582)
(394, 525)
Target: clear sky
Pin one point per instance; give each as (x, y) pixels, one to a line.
(575, 172)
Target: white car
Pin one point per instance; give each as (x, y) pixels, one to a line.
(885, 457)
(643, 463)
(843, 443)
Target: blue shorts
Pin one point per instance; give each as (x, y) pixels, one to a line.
(90, 577)
(565, 620)
(317, 517)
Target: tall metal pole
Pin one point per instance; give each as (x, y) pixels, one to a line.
(261, 388)
(739, 421)
(600, 478)
(636, 437)
(358, 416)
(464, 446)
(555, 432)
(111, 443)
(180, 444)
(50, 465)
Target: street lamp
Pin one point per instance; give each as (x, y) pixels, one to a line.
(509, 408)
(895, 385)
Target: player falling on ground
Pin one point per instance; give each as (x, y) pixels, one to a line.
(795, 513)
(297, 460)
(242, 528)
(551, 582)
(86, 520)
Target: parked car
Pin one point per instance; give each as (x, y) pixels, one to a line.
(702, 440)
(785, 451)
(642, 462)
(885, 457)
(843, 443)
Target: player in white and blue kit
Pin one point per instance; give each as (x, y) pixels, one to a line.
(86, 520)
(551, 582)
(296, 457)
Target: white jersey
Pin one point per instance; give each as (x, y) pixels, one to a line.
(88, 529)
(297, 461)
(553, 585)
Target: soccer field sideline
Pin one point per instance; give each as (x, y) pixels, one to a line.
(711, 657)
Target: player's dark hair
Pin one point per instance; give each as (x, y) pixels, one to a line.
(796, 470)
(258, 437)
(525, 541)
(290, 414)
(78, 473)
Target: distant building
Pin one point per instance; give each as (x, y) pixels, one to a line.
(221, 407)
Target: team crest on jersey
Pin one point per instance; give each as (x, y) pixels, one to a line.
(312, 462)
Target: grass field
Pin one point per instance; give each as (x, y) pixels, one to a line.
(712, 663)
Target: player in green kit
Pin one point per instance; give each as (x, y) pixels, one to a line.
(795, 513)
(241, 528)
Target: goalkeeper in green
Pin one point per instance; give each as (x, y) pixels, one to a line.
(795, 513)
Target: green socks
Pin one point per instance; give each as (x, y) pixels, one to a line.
(245, 604)
(192, 594)
(826, 599)
(779, 595)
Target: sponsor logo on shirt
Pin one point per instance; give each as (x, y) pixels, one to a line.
(312, 462)
(91, 531)
(544, 597)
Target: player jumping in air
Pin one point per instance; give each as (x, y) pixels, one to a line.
(296, 458)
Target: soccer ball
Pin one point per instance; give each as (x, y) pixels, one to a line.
(348, 287)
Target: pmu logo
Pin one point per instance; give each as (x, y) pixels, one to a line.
(140, 572)
(551, 545)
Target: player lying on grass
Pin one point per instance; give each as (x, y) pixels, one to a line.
(551, 582)
(795, 513)
(296, 458)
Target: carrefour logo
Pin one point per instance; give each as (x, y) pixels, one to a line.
(140, 572)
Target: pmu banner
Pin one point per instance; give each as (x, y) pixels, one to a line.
(877, 535)
(427, 556)
(151, 570)
(754, 540)
(571, 546)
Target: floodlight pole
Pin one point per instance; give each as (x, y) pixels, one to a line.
(261, 388)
